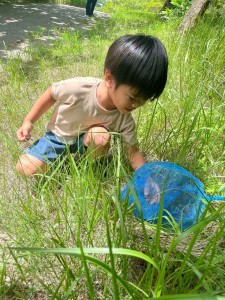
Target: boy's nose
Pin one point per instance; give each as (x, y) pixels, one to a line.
(135, 105)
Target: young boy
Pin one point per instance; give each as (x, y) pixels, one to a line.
(88, 109)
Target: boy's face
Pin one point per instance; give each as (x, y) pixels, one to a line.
(124, 97)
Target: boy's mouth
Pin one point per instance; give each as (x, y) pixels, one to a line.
(128, 109)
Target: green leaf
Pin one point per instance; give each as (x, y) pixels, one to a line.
(77, 252)
(190, 297)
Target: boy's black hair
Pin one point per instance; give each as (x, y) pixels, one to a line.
(139, 61)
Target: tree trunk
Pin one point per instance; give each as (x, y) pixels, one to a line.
(196, 10)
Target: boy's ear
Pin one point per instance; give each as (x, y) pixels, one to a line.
(109, 78)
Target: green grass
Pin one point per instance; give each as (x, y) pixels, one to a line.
(68, 235)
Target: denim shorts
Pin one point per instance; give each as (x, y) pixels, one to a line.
(48, 148)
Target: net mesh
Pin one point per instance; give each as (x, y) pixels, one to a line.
(181, 194)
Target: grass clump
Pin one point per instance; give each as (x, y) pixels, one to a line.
(79, 240)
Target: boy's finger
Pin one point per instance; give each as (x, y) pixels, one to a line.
(21, 136)
(26, 133)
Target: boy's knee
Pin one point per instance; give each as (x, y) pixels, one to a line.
(101, 139)
(28, 165)
(98, 136)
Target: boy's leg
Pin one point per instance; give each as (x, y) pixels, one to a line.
(98, 140)
(28, 165)
(43, 153)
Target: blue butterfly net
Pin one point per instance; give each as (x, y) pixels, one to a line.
(181, 193)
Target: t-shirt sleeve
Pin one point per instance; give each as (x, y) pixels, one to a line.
(129, 132)
(65, 91)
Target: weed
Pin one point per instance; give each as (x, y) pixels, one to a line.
(78, 239)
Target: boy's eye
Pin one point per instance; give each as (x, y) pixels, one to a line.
(135, 99)
(140, 101)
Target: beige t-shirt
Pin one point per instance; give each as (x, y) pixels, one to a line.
(77, 109)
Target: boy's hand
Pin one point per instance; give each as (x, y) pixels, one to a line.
(24, 132)
(136, 158)
(44, 102)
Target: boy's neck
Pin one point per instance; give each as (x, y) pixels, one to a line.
(103, 97)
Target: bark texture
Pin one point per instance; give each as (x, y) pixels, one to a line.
(196, 10)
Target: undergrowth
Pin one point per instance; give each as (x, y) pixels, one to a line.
(68, 235)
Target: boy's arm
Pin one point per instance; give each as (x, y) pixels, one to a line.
(135, 157)
(44, 103)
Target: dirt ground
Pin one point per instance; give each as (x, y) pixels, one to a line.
(18, 20)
